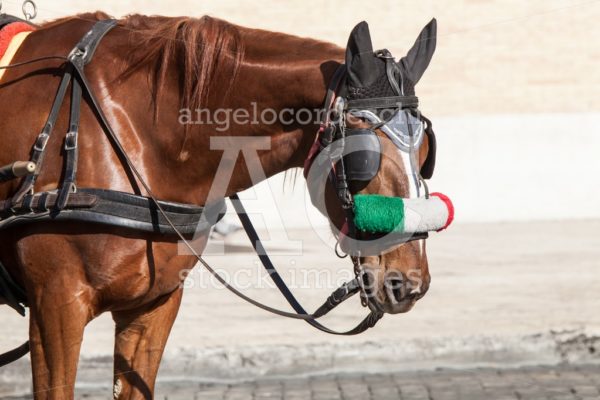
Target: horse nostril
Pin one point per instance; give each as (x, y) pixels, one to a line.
(366, 280)
(395, 288)
(369, 280)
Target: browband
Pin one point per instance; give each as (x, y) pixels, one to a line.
(383, 102)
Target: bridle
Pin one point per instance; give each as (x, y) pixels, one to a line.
(363, 165)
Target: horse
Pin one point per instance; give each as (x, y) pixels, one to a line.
(145, 71)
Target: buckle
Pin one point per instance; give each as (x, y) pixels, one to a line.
(384, 53)
(71, 140)
(326, 137)
(27, 202)
(42, 204)
(41, 142)
(77, 53)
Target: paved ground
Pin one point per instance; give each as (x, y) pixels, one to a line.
(531, 383)
(552, 383)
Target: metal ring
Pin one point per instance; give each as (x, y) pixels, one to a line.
(337, 246)
(29, 16)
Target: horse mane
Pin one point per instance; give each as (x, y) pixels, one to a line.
(200, 47)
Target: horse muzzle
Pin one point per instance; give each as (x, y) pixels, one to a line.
(392, 291)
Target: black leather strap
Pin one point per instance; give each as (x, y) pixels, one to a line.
(429, 164)
(6, 19)
(11, 292)
(383, 102)
(71, 148)
(39, 147)
(117, 209)
(340, 295)
(394, 75)
(334, 84)
(334, 300)
(84, 50)
(14, 355)
(81, 55)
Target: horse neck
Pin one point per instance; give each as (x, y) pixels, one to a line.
(286, 74)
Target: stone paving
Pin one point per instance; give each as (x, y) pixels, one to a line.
(566, 382)
(552, 383)
(530, 383)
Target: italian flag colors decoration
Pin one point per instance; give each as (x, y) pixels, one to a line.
(375, 213)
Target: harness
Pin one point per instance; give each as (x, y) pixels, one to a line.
(100, 206)
(147, 214)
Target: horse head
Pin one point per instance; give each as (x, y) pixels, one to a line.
(375, 150)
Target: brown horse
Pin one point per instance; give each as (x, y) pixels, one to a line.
(145, 71)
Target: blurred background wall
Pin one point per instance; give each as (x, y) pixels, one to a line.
(512, 91)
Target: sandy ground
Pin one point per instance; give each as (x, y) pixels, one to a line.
(502, 294)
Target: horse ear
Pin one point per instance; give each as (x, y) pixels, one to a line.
(360, 62)
(418, 58)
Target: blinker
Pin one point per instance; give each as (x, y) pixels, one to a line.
(363, 164)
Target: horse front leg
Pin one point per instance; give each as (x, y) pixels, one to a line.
(56, 326)
(140, 338)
